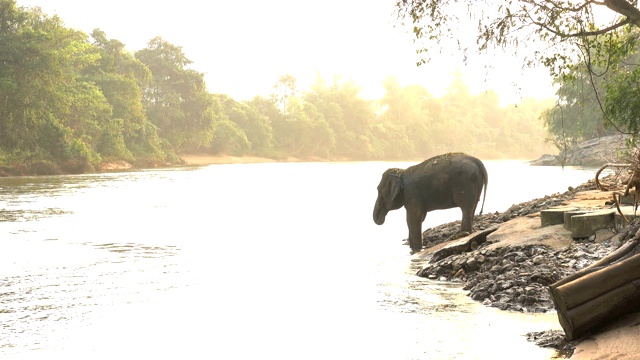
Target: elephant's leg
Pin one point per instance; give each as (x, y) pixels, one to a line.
(467, 221)
(414, 222)
(468, 211)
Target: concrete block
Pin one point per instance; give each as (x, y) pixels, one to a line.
(586, 225)
(627, 200)
(628, 212)
(554, 216)
(569, 214)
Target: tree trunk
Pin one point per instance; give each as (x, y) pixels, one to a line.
(600, 293)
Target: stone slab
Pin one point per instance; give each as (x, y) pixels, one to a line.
(526, 230)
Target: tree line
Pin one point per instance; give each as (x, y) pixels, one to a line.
(70, 101)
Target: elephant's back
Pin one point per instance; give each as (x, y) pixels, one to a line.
(447, 171)
(445, 162)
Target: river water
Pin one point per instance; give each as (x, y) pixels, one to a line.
(243, 261)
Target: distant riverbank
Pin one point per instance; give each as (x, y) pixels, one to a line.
(208, 159)
(590, 153)
(205, 159)
(201, 159)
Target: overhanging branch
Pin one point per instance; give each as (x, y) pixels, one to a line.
(625, 8)
(583, 33)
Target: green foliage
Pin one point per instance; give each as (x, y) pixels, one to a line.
(552, 27)
(176, 99)
(69, 101)
(577, 115)
(229, 139)
(590, 44)
(623, 100)
(251, 121)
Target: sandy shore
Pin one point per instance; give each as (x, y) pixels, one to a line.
(616, 341)
(205, 159)
(194, 159)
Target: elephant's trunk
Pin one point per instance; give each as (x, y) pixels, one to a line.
(379, 213)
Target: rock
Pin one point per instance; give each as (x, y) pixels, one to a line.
(513, 266)
(464, 244)
(547, 160)
(593, 153)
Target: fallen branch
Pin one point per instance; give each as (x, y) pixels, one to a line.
(604, 167)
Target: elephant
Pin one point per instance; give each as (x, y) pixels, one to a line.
(442, 182)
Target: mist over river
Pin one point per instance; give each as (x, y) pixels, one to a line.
(242, 261)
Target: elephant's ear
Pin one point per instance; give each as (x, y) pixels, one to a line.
(393, 188)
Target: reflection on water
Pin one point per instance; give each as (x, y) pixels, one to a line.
(237, 261)
(28, 215)
(139, 250)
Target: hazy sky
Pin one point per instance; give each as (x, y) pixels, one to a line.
(244, 46)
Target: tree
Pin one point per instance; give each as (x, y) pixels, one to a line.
(409, 108)
(49, 113)
(576, 116)
(229, 139)
(121, 78)
(177, 100)
(622, 102)
(255, 125)
(598, 34)
(347, 115)
(283, 91)
(505, 24)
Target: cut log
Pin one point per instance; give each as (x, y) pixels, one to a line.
(597, 283)
(462, 245)
(605, 308)
(600, 293)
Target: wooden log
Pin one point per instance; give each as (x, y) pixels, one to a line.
(624, 250)
(598, 282)
(609, 306)
(599, 293)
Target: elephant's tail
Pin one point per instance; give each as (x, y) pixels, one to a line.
(485, 178)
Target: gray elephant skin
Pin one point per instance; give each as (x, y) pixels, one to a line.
(441, 182)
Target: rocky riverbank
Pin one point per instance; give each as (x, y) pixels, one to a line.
(592, 153)
(511, 270)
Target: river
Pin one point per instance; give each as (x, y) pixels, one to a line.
(240, 261)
